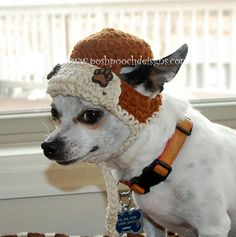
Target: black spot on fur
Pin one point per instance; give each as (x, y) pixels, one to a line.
(136, 77)
(153, 74)
(54, 71)
(144, 74)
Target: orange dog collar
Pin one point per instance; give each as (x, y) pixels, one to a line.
(160, 168)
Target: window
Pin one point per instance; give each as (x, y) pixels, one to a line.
(35, 37)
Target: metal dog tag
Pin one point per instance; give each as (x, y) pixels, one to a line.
(130, 221)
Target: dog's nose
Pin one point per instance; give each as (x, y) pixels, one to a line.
(51, 148)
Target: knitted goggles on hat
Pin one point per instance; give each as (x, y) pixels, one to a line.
(99, 82)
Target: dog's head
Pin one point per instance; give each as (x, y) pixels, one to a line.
(97, 113)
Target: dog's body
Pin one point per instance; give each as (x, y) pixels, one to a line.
(197, 198)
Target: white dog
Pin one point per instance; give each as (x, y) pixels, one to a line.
(198, 197)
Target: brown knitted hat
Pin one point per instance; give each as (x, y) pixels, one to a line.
(99, 82)
(114, 45)
(118, 48)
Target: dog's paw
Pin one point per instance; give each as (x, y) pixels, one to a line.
(102, 76)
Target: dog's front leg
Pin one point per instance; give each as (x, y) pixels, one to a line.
(153, 230)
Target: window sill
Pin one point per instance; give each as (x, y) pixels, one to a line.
(218, 111)
(32, 127)
(25, 172)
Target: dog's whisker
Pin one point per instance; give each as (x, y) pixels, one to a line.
(45, 126)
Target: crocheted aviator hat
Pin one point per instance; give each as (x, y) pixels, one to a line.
(93, 74)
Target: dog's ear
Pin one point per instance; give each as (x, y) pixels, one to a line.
(150, 76)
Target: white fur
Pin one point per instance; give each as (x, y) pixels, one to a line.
(198, 197)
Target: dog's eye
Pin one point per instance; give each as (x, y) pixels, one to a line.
(54, 114)
(91, 116)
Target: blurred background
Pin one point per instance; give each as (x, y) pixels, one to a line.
(36, 35)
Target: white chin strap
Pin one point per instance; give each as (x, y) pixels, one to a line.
(112, 201)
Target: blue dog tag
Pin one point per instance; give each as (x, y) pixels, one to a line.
(130, 221)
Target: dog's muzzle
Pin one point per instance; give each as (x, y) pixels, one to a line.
(52, 149)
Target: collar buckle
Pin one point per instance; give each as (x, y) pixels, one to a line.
(160, 168)
(151, 175)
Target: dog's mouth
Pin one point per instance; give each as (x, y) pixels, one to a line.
(69, 162)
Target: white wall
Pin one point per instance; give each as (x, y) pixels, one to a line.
(82, 214)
